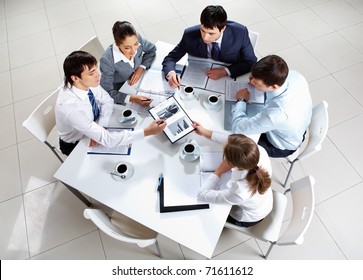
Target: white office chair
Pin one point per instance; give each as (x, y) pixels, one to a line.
(42, 120)
(122, 228)
(253, 38)
(94, 47)
(40, 123)
(303, 201)
(318, 129)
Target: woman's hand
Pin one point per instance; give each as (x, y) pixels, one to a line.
(136, 76)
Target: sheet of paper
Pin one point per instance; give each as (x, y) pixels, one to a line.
(154, 82)
(126, 88)
(195, 74)
(209, 161)
(181, 191)
(117, 150)
(232, 87)
(144, 110)
(220, 84)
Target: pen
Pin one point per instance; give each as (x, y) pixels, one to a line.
(147, 99)
(160, 122)
(177, 79)
(159, 180)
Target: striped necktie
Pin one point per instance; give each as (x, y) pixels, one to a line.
(215, 51)
(94, 105)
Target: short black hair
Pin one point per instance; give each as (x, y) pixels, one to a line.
(75, 63)
(272, 70)
(213, 16)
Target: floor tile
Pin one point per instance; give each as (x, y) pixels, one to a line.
(85, 247)
(70, 37)
(281, 7)
(350, 79)
(13, 238)
(353, 35)
(3, 31)
(305, 25)
(5, 89)
(9, 173)
(357, 4)
(54, 216)
(66, 12)
(317, 245)
(95, 7)
(327, 173)
(190, 6)
(4, 58)
(103, 22)
(36, 78)
(17, 29)
(298, 58)
(246, 12)
(273, 37)
(164, 12)
(333, 52)
(8, 137)
(39, 47)
(17, 7)
(343, 212)
(248, 250)
(342, 106)
(37, 175)
(347, 137)
(347, 14)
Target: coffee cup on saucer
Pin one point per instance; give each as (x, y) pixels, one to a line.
(128, 116)
(187, 93)
(123, 170)
(213, 100)
(189, 151)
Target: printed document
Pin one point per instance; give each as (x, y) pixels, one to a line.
(256, 96)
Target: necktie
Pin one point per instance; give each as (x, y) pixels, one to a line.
(215, 51)
(94, 105)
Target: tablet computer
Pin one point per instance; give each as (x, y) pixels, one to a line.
(178, 122)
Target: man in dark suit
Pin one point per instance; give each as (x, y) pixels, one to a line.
(215, 38)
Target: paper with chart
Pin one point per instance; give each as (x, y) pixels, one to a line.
(154, 86)
(256, 96)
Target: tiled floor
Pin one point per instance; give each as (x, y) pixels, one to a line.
(41, 219)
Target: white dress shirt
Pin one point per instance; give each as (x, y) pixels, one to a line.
(74, 118)
(246, 208)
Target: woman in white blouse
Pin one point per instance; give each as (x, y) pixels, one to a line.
(248, 189)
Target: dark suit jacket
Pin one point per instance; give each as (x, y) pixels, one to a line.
(236, 49)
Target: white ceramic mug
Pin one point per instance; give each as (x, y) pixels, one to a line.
(121, 170)
(127, 115)
(213, 99)
(188, 90)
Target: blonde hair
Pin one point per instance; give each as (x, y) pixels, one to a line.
(243, 153)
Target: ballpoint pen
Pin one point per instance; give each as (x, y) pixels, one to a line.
(178, 80)
(146, 99)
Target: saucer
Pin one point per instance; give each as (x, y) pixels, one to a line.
(129, 122)
(130, 172)
(189, 157)
(215, 107)
(185, 97)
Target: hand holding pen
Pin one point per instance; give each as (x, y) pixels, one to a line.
(141, 100)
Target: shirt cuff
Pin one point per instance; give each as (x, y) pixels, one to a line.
(127, 98)
(138, 134)
(172, 71)
(227, 70)
(143, 66)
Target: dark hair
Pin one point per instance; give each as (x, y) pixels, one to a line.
(121, 30)
(75, 63)
(243, 153)
(213, 16)
(272, 70)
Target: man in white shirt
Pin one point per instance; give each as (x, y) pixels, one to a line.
(83, 108)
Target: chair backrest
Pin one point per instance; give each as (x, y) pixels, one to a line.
(253, 38)
(303, 203)
(318, 129)
(42, 120)
(94, 47)
(269, 228)
(103, 222)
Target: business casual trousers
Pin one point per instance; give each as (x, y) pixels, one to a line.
(66, 148)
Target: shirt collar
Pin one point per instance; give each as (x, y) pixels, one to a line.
(80, 93)
(119, 56)
(279, 91)
(219, 41)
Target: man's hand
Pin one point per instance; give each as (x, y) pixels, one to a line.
(217, 73)
(155, 127)
(141, 100)
(173, 80)
(243, 94)
(136, 76)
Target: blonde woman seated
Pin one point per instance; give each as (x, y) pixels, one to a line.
(248, 189)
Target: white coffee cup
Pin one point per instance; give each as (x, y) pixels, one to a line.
(127, 115)
(188, 90)
(121, 170)
(189, 149)
(213, 99)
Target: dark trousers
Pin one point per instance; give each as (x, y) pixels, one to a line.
(271, 150)
(241, 224)
(66, 148)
